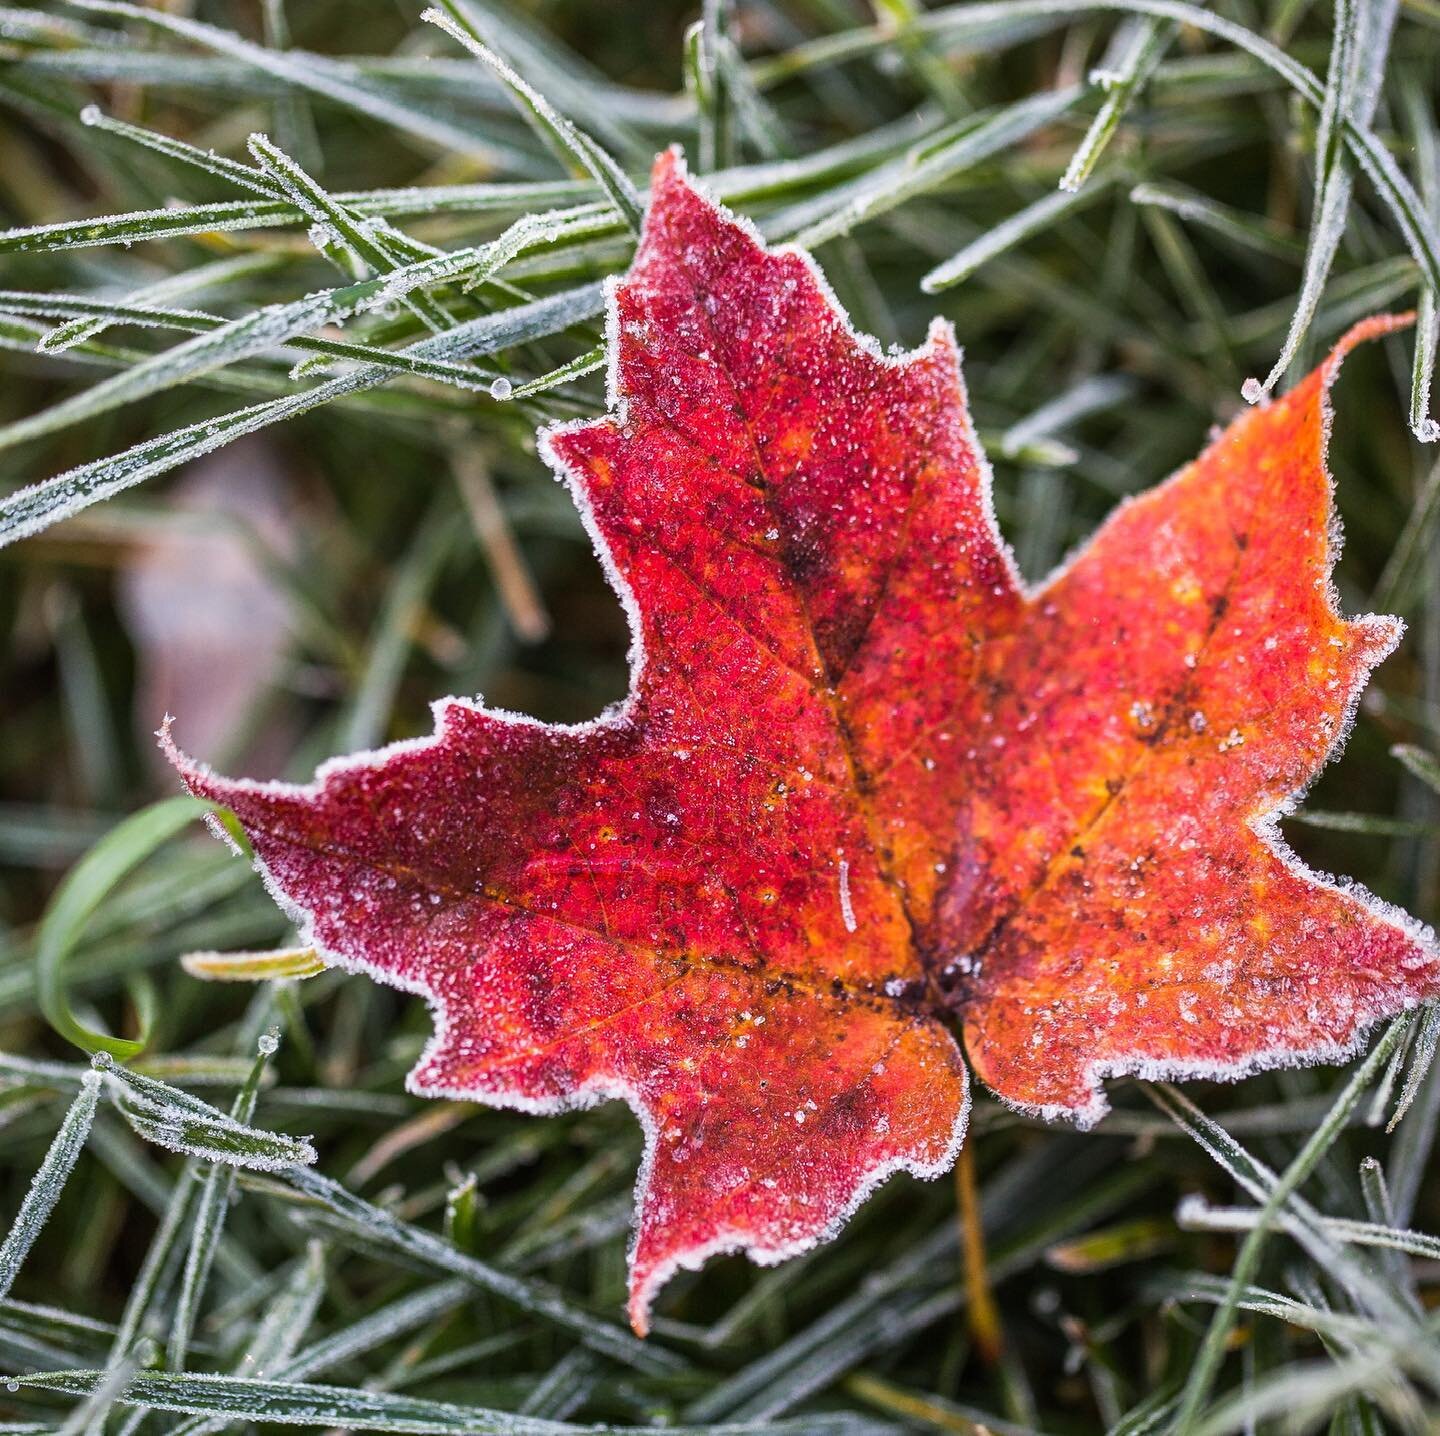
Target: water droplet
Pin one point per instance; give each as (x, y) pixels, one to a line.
(501, 388)
(1252, 391)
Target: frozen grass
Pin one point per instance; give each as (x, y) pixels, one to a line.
(339, 232)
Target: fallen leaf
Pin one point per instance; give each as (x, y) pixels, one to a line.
(866, 784)
(209, 623)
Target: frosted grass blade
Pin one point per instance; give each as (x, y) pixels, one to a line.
(322, 77)
(30, 510)
(1020, 226)
(283, 962)
(210, 1213)
(255, 333)
(1136, 54)
(175, 1120)
(927, 165)
(569, 140)
(291, 1404)
(439, 1255)
(48, 1182)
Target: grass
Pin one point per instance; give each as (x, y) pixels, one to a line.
(370, 249)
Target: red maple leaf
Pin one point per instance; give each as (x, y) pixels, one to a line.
(866, 783)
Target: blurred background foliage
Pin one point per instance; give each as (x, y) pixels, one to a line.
(309, 588)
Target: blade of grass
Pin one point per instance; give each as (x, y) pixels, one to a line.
(365, 723)
(1035, 217)
(1240, 229)
(216, 1189)
(363, 240)
(49, 1181)
(173, 1119)
(927, 165)
(144, 1293)
(284, 962)
(1009, 17)
(294, 121)
(84, 888)
(1207, 1359)
(313, 73)
(1420, 118)
(1135, 53)
(256, 333)
(1426, 1041)
(1393, 591)
(569, 142)
(437, 1254)
(30, 510)
(201, 279)
(1195, 1214)
(291, 1404)
(706, 42)
(205, 161)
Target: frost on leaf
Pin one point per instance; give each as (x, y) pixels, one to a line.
(866, 787)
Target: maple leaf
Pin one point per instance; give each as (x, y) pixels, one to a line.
(866, 784)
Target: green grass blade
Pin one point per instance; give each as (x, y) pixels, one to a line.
(382, 1326)
(1333, 185)
(1423, 765)
(1421, 1060)
(313, 73)
(287, 1318)
(361, 243)
(210, 1212)
(49, 1180)
(1240, 229)
(206, 161)
(587, 363)
(252, 334)
(439, 1255)
(706, 42)
(1207, 1360)
(1036, 216)
(927, 165)
(76, 899)
(1134, 58)
(87, 312)
(291, 1404)
(142, 1296)
(570, 142)
(173, 1119)
(1419, 111)
(1397, 582)
(202, 279)
(1009, 17)
(31, 510)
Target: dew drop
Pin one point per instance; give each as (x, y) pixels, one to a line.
(501, 388)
